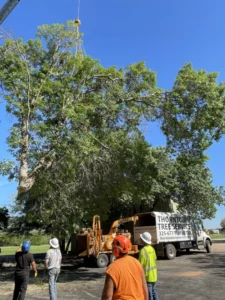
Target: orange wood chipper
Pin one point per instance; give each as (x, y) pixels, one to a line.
(92, 245)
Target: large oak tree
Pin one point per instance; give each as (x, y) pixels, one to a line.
(76, 142)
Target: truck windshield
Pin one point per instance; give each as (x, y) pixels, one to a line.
(198, 226)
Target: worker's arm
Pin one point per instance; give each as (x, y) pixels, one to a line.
(46, 260)
(19, 249)
(145, 287)
(155, 257)
(108, 289)
(60, 258)
(34, 266)
(142, 258)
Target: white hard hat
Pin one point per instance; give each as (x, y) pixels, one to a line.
(54, 243)
(146, 237)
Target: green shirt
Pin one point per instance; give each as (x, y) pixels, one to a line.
(147, 258)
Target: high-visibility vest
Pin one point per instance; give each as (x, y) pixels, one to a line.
(147, 258)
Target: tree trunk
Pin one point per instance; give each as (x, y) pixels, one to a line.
(23, 157)
(68, 243)
(62, 244)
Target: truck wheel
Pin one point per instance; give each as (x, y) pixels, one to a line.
(170, 251)
(112, 258)
(208, 246)
(102, 261)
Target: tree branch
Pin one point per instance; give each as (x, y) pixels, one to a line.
(42, 163)
(97, 140)
(107, 76)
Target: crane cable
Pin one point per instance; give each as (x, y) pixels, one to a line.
(79, 46)
(77, 21)
(78, 10)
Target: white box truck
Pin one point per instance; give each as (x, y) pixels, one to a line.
(171, 232)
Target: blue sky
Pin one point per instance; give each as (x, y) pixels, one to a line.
(165, 34)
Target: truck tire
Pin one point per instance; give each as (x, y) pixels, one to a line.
(112, 258)
(208, 246)
(102, 261)
(170, 251)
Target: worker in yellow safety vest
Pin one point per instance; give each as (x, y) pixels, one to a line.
(147, 258)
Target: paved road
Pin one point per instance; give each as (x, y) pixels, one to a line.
(198, 276)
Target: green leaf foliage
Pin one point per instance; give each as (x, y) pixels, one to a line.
(4, 217)
(76, 135)
(222, 223)
(193, 111)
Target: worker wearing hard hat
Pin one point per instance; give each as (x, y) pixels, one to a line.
(147, 258)
(125, 278)
(53, 261)
(24, 260)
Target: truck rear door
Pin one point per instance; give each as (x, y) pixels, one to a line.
(145, 222)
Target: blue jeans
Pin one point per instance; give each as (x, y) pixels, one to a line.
(52, 278)
(152, 291)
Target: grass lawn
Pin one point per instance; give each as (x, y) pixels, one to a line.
(33, 250)
(217, 236)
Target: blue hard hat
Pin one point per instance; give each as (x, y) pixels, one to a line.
(26, 246)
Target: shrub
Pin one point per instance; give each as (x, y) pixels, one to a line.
(36, 239)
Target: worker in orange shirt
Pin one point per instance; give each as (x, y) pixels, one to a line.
(125, 278)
